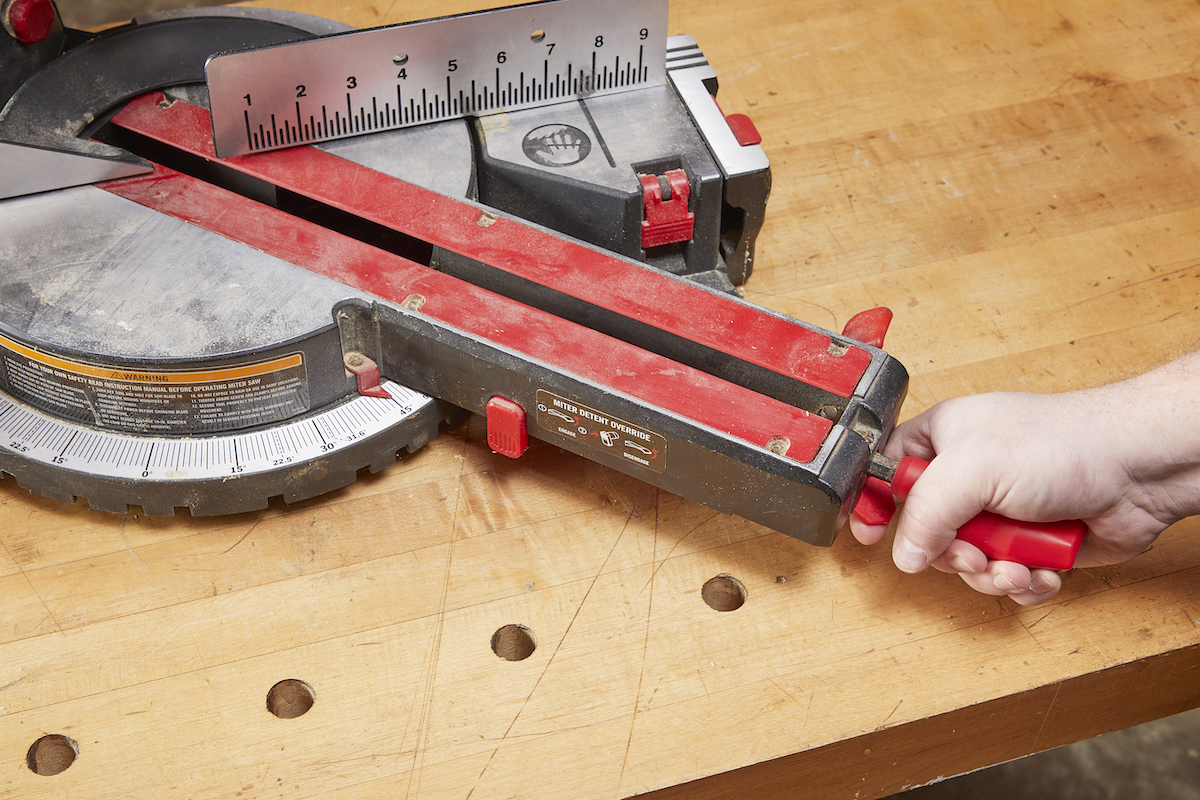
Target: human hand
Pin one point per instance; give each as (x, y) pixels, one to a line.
(1041, 458)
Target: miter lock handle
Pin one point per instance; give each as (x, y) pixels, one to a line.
(1037, 545)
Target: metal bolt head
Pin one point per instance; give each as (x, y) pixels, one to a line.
(779, 445)
(837, 349)
(829, 412)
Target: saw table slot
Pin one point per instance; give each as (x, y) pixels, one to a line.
(254, 188)
(642, 333)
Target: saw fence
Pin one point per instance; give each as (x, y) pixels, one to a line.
(1018, 183)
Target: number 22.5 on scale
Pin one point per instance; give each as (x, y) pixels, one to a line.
(401, 75)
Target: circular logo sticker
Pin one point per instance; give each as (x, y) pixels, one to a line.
(556, 145)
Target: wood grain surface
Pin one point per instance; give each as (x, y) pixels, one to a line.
(1019, 181)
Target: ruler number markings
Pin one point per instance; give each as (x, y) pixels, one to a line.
(41, 438)
(392, 77)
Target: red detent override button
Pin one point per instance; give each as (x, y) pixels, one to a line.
(506, 431)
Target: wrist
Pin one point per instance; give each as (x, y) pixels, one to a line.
(1152, 423)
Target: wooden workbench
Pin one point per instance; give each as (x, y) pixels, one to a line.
(1020, 183)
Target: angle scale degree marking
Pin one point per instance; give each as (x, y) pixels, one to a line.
(397, 76)
(37, 437)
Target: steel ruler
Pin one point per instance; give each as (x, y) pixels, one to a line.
(401, 75)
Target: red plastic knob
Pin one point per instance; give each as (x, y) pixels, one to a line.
(31, 21)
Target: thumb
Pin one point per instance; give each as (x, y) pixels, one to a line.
(939, 504)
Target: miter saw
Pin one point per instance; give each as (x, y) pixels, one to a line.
(537, 214)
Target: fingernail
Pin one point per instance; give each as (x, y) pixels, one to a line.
(1002, 583)
(908, 558)
(959, 564)
(1041, 584)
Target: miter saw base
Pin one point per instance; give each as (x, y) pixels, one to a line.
(145, 361)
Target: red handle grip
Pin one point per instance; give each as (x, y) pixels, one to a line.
(1037, 545)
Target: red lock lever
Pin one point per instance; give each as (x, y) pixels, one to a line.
(1037, 545)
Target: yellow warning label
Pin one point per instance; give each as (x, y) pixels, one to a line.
(156, 401)
(132, 375)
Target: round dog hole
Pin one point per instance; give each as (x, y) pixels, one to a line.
(514, 643)
(52, 754)
(290, 699)
(724, 593)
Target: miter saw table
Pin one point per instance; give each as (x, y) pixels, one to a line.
(222, 331)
